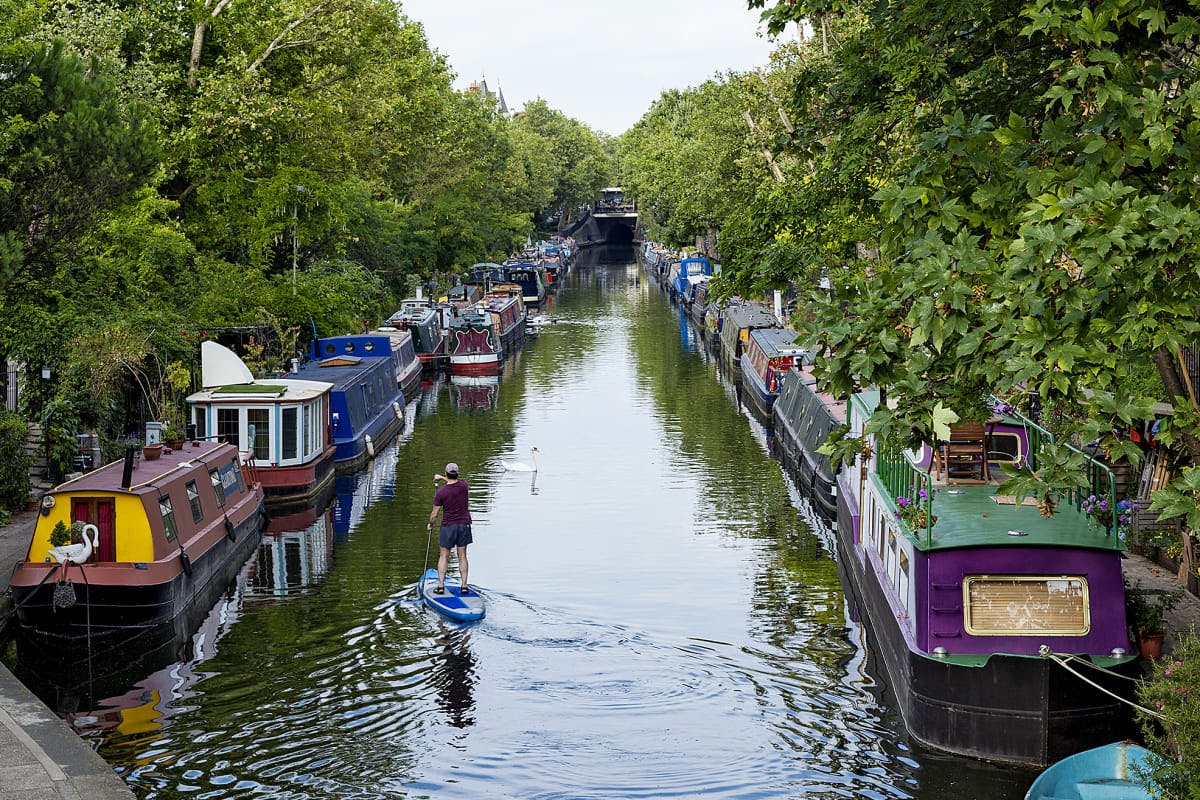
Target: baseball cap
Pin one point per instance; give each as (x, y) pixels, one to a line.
(452, 468)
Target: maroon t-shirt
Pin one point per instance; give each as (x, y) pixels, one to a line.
(453, 499)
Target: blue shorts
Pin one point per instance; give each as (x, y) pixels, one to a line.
(454, 536)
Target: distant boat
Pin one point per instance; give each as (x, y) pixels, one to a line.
(802, 419)
(1103, 773)
(422, 320)
(770, 353)
(486, 333)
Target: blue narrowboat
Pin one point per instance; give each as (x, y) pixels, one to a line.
(367, 403)
(687, 272)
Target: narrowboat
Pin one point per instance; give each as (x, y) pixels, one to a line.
(1001, 625)
(684, 274)
(159, 536)
(281, 425)
(770, 352)
(697, 303)
(408, 376)
(736, 323)
(367, 408)
(802, 420)
(483, 335)
(529, 277)
(418, 317)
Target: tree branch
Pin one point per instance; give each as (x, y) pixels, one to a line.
(278, 42)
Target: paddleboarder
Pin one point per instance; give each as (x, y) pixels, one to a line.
(451, 503)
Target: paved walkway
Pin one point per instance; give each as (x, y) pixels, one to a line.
(41, 757)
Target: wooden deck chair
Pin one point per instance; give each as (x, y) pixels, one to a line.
(963, 458)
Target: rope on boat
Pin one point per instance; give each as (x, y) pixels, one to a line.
(1061, 660)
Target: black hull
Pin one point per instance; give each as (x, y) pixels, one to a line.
(1020, 710)
(810, 478)
(103, 611)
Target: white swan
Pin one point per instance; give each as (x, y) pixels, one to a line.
(517, 466)
(78, 553)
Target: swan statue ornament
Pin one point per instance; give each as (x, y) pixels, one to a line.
(517, 466)
(78, 553)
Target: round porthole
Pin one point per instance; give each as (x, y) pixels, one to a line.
(368, 346)
(349, 347)
(330, 349)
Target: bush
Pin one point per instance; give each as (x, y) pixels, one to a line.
(1173, 690)
(14, 463)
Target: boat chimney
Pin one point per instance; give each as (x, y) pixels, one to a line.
(295, 365)
(127, 473)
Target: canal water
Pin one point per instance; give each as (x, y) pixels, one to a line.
(664, 618)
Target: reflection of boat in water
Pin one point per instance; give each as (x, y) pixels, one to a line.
(131, 685)
(296, 552)
(475, 392)
(171, 532)
(356, 493)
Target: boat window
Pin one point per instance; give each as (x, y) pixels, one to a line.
(218, 488)
(330, 349)
(231, 479)
(903, 580)
(168, 516)
(237, 472)
(349, 347)
(1003, 446)
(200, 419)
(368, 346)
(259, 422)
(310, 432)
(193, 494)
(1020, 605)
(289, 433)
(228, 424)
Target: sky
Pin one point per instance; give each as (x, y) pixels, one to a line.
(602, 62)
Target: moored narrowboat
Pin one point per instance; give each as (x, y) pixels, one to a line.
(409, 365)
(418, 317)
(802, 419)
(987, 614)
(281, 425)
(367, 408)
(158, 536)
(737, 320)
(684, 274)
(482, 336)
(769, 354)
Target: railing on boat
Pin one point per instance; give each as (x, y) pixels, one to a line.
(902, 476)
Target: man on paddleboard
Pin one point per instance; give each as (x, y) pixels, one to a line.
(451, 502)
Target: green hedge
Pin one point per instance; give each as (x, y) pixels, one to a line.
(14, 464)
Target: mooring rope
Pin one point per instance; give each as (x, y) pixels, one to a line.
(1062, 662)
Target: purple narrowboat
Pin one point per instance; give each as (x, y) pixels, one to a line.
(1002, 629)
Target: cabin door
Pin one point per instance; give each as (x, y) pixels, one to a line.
(99, 513)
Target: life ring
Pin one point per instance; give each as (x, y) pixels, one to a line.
(230, 530)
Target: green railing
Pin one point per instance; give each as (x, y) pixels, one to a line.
(903, 478)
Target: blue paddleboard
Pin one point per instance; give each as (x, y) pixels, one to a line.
(453, 604)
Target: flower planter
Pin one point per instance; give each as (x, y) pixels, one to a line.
(1151, 645)
(152, 451)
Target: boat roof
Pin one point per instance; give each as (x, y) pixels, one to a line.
(974, 515)
(751, 316)
(340, 374)
(778, 342)
(269, 389)
(150, 475)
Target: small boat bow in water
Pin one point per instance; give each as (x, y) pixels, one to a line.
(453, 603)
(1102, 773)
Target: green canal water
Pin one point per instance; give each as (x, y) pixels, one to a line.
(664, 614)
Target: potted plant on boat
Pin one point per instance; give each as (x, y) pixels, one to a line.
(1146, 612)
(173, 436)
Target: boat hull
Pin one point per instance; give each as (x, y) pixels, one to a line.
(115, 598)
(1018, 709)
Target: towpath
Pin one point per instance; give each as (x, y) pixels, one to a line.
(41, 758)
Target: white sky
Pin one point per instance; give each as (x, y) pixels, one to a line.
(602, 62)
